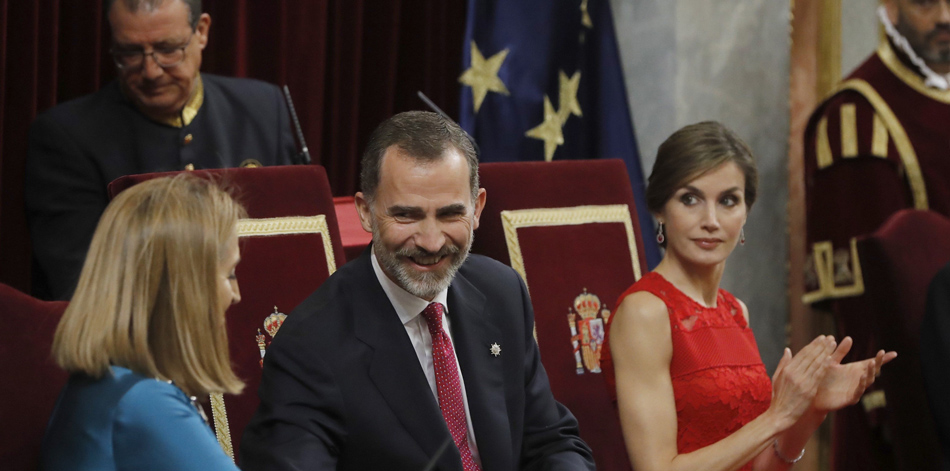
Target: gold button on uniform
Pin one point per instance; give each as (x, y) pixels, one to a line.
(188, 139)
(190, 167)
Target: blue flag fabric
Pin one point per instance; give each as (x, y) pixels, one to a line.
(542, 81)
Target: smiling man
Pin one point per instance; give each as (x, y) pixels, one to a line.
(160, 114)
(877, 145)
(417, 350)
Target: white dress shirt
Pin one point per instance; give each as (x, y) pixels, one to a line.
(409, 307)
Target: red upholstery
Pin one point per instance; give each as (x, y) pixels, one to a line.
(275, 270)
(898, 262)
(30, 382)
(355, 239)
(562, 259)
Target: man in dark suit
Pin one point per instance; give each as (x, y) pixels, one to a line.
(416, 351)
(159, 115)
(935, 357)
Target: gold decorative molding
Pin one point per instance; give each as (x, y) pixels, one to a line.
(221, 428)
(571, 216)
(829, 46)
(823, 253)
(291, 225)
(518, 219)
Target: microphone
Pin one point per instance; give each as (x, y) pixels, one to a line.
(435, 108)
(304, 156)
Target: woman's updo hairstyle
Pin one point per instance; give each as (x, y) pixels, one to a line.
(693, 151)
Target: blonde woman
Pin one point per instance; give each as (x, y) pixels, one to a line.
(692, 390)
(144, 333)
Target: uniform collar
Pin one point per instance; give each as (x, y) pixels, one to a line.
(191, 108)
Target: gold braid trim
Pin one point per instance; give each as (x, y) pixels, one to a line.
(823, 253)
(514, 220)
(291, 225)
(904, 147)
(221, 428)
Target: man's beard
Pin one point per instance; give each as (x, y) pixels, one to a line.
(425, 285)
(922, 43)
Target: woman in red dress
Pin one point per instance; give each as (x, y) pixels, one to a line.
(692, 390)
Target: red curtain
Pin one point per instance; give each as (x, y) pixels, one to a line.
(349, 64)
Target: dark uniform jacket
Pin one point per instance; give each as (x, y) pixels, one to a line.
(78, 147)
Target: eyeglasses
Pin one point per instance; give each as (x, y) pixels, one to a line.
(164, 57)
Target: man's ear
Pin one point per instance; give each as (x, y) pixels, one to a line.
(364, 211)
(203, 28)
(479, 206)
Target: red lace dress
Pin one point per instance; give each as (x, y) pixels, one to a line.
(719, 381)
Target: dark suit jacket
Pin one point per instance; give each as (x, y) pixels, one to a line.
(78, 147)
(935, 356)
(342, 387)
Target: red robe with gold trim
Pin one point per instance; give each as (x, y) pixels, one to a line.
(880, 143)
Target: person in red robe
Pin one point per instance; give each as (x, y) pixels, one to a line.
(876, 145)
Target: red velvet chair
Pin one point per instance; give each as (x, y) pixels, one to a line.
(289, 245)
(31, 381)
(898, 261)
(570, 229)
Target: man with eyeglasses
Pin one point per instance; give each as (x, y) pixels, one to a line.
(160, 114)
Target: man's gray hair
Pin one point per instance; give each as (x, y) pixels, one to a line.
(194, 7)
(424, 136)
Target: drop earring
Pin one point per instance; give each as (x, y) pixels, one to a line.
(742, 236)
(660, 237)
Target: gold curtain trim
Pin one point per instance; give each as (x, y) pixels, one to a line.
(823, 253)
(823, 152)
(849, 130)
(879, 138)
(221, 428)
(908, 76)
(904, 147)
(265, 228)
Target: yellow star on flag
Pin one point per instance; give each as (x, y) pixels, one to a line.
(548, 131)
(567, 100)
(482, 75)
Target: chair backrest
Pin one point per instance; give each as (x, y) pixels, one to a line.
(31, 381)
(898, 261)
(570, 229)
(290, 244)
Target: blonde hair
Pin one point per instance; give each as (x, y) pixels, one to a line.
(146, 298)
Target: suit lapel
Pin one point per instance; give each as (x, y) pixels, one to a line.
(473, 332)
(394, 367)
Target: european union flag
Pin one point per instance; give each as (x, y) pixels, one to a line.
(543, 80)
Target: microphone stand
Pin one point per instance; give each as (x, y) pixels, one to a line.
(303, 157)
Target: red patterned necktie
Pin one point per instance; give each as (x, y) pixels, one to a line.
(448, 385)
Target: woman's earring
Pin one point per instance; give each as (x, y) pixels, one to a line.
(660, 238)
(742, 236)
